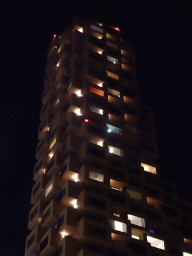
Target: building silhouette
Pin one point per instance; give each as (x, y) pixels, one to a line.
(97, 185)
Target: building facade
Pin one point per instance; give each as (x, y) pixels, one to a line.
(97, 187)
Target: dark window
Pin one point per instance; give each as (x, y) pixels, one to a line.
(44, 243)
(39, 166)
(96, 152)
(36, 188)
(96, 202)
(31, 240)
(63, 169)
(50, 165)
(95, 231)
(34, 212)
(58, 252)
(46, 214)
(61, 221)
(62, 194)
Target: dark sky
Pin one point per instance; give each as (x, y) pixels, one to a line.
(161, 34)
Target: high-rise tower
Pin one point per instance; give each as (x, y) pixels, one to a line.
(97, 186)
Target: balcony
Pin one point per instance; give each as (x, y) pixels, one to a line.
(69, 194)
(53, 187)
(45, 110)
(38, 190)
(49, 242)
(35, 214)
(44, 127)
(67, 246)
(70, 169)
(55, 164)
(47, 93)
(68, 221)
(50, 214)
(43, 145)
(40, 167)
(32, 241)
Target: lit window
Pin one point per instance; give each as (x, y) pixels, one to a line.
(96, 28)
(156, 203)
(123, 52)
(126, 67)
(96, 91)
(149, 168)
(109, 36)
(116, 185)
(187, 254)
(115, 151)
(113, 129)
(79, 93)
(112, 75)
(111, 45)
(136, 220)
(96, 176)
(52, 143)
(96, 110)
(134, 194)
(119, 226)
(78, 112)
(113, 92)
(115, 61)
(157, 243)
(137, 234)
(50, 187)
(116, 214)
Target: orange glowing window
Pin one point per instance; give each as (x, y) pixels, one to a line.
(126, 67)
(156, 203)
(96, 91)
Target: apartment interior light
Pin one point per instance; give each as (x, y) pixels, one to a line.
(100, 143)
(76, 177)
(75, 204)
(100, 84)
(51, 155)
(63, 234)
(79, 93)
(80, 30)
(100, 52)
(109, 130)
(101, 111)
(78, 112)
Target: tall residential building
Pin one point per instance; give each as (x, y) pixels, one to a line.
(97, 187)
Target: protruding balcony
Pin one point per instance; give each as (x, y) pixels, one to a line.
(55, 164)
(53, 188)
(70, 169)
(43, 145)
(67, 246)
(50, 214)
(40, 167)
(49, 242)
(35, 214)
(46, 109)
(44, 127)
(32, 241)
(38, 190)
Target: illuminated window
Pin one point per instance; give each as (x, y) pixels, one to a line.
(112, 75)
(116, 185)
(78, 112)
(96, 28)
(116, 214)
(133, 194)
(119, 226)
(113, 92)
(114, 118)
(128, 100)
(96, 110)
(50, 187)
(149, 168)
(187, 254)
(112, 45)
(157, 243)
(126, 67)
(137, 234)
(136, 220)
(52, 143)
(123, 52)
(96, 91)
(156, 203)
(113, 129)
(115, 151)
(109, 36)
(115, 61)
(96, 176)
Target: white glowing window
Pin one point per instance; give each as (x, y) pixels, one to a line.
(187, 254)
(52, 143)
(96, 28)
(50, 187)
(113, 129)
(119, 226)
(136, 220)
(78, 112)
(96, 176)
(133, 194)
(79, 93)
(96, 110)
(135, 237)
(115, 151)
(115, 61)
(149, 168)
(157, 243)
(114, 92)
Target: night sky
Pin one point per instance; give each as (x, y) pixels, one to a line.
(161, 34)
